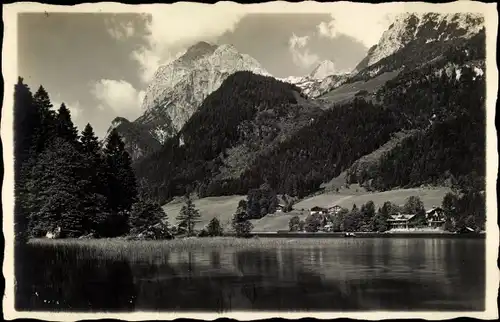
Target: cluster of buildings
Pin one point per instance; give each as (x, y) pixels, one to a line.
(435, 218)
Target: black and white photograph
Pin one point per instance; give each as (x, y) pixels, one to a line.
(276, 159)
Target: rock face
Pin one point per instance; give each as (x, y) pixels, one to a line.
(180, 87)
(423, 28)
(176, 92)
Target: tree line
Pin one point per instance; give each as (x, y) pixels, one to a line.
(69, 180)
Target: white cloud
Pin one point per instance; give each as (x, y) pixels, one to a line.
(175, 27)
(296, 41)
(120, 30)
(301, 55)
(120, 96)
(364, 23)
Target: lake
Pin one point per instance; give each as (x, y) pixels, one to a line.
(334, 274)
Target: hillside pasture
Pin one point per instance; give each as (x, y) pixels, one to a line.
(275, 222)
(429, 196)
(346, 92)
(221, 208)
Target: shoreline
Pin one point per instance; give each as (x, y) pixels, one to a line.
(423, 234)
(263, 235)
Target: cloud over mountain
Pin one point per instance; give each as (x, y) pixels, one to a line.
(168, 35)
(120, 96)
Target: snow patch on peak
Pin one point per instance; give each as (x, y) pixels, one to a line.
(324, 69)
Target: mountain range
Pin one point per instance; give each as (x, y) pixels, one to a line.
(216, 122)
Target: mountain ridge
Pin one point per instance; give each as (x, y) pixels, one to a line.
(176, 91)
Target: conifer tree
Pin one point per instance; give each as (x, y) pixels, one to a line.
(214, 228)
(367, 215)
(121, 178)
(188, 216)
(64, 126)
(46, 129)
(240, 222)
(95, 203)
(25, 118)
(145, 214)
(25, 123)
(55, 191)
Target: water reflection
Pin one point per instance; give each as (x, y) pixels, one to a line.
(347, 275)
(61, 280)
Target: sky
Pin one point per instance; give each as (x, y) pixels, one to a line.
(100, 64)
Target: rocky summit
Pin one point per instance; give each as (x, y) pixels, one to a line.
(178, 89)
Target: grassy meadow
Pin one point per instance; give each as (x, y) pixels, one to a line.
(429, 196)
(224, 207)
(346, 92)
(221, 208)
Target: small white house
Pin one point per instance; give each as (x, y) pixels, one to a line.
(318, 210)
(54, 233)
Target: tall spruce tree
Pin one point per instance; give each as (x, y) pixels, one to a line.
(188, 216)
(45, 132)
(64, 125)
(25, 118)
(122, 183)
(25, 124)
(241, 220)
(95, 203)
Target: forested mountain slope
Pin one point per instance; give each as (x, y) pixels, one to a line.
(245, 111)
(176, 92)
(255, 129)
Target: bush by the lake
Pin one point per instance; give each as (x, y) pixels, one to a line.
(294, 224)
(145, 214)
(214, 228)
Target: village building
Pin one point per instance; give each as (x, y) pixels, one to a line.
(280, 207)
(334, 209)
(435, 217)
(401, 221)
(318, 210)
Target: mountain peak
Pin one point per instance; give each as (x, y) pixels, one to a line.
(422, 27)
(324, 69)
(179, 88)
(198, 50)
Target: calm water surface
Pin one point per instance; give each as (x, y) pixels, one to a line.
(341, 274)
